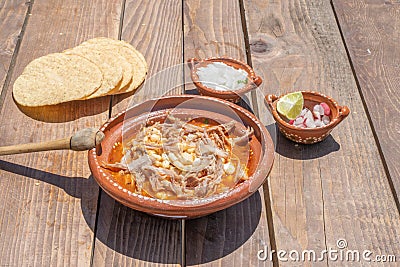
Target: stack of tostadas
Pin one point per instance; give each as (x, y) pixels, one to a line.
(95, 68)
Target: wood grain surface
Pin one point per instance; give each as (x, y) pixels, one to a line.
(371, 32)
(53, 213)
(338, 188)
(126, 237)
(49, 199)
(12, 17)
(231, 237)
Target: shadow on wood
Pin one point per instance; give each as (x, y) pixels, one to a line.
(243, 102)
(73, 110)
(68, 184)
(131, 233)
(290, 149)
(137, 235)
(219, 234)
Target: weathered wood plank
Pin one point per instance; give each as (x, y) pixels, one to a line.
(155, 29)
(371, 32)
(126, 237)
(210, 32)
(338, 188)
(49, 200)
(12, 16)
(231, 237)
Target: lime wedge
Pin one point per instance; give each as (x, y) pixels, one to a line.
(290, 105)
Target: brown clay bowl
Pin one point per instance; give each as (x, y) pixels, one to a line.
(306, 135)
(156, 110)
(253, 80)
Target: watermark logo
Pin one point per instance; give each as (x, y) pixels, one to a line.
(340, 253)
(341, 243)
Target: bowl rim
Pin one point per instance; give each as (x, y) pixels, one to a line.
(160, 207)
(253, 78)
(342, 111)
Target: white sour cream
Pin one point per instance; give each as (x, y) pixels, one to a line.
(222, 77)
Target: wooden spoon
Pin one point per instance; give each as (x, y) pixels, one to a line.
(82, 140)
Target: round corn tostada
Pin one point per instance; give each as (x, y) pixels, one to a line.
(108, 64)
(56, 78)
(139, 65)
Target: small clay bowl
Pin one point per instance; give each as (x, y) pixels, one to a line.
(234, 96)
(308, 135)
(188, 106)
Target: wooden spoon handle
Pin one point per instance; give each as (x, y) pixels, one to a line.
(82, 140)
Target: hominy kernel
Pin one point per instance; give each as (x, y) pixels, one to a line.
(155, 137)
(157, 163)
(191, 150)
(165, 164)
(157, 157)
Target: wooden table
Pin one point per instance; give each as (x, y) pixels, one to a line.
(52, 213)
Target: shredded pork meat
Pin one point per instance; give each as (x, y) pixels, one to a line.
(178, 160)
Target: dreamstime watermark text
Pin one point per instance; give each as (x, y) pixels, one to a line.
(339, 253)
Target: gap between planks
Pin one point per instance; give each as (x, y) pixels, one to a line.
(110, 106)
(95, 227)
(267, 196)
(366, 110)
(121, 26)
(182, 221)
(256, 112)
(15, 53)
